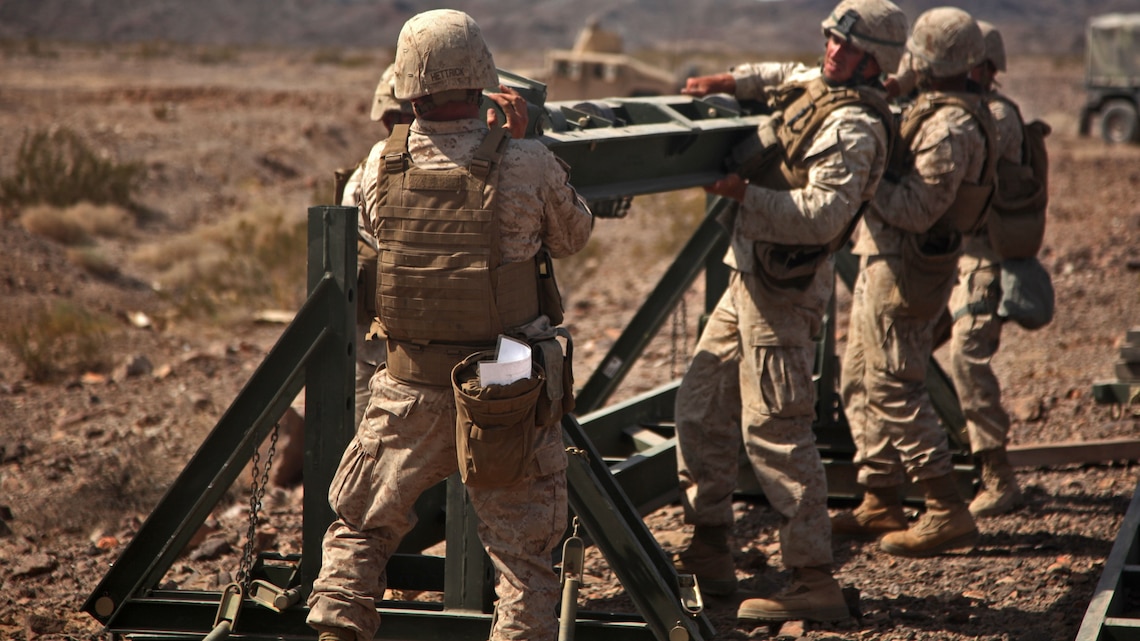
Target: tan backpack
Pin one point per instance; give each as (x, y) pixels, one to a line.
(1016, 224)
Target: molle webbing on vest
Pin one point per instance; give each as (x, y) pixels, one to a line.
(967, 213)
(441, 277)
(804, 107)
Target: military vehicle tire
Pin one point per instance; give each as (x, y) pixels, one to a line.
(1119, 123)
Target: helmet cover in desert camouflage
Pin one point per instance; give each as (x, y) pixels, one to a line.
(945, 42)
(384, 100)
(440, 51)
(875, 26)
(995, 48)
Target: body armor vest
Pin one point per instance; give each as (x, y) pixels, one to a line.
(799, 110)
(966, 213)
(440, 275)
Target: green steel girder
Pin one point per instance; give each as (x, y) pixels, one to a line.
(1113, 614)
(318, 342)
(320, 329)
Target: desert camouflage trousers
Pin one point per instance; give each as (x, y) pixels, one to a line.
(369, 356)
(405, 445)
(974, 340)
(883, 382)
(737, 389)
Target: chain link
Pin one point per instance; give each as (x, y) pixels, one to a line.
(256, 494)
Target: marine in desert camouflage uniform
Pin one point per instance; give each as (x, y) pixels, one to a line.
(751, 376)
(909, 246)
(407, 440)
(976, 331)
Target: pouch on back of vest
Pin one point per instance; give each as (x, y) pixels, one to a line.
(495, 426)
(1016, 224)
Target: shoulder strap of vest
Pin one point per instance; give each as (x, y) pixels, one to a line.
(993, 95)
(489, 153)
(819, 100)
(929, 102)
(395, 155)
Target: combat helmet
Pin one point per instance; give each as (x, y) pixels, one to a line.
(875, 26)
(945, 42)
(442, 51)
(384, 99)
(995, 48)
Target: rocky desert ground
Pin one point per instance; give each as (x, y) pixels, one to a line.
(163, 296)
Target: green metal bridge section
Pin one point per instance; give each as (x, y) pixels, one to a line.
(623, 459)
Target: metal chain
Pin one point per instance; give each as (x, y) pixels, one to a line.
(680, 320)
(256, 494)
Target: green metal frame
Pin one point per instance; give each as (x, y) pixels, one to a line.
(317, 344)
(624, 464)
(1113, 613)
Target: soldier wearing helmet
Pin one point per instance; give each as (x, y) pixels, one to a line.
(751, 376)
(937, 188)
(975, 324)
(467, 218)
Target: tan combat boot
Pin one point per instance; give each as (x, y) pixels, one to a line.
(812, 595)
(710, 560)
(880, 512)
(999, 493)
(945, 526)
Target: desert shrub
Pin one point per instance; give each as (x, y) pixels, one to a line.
(94, 261)
(55, 224)
(58, 168)
(59, 340)
(251, 261)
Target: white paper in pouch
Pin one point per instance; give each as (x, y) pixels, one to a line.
(512, 363)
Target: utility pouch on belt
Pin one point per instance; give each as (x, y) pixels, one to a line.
(495, 426)
(789, 266)
(558, 399)
(929, 270)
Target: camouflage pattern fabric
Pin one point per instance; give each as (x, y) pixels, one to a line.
(896, 431)
(976, 333)
(750, 380)
(406, 442)
(538, 206)
(769, 407)
(949, 149)
(893, 424)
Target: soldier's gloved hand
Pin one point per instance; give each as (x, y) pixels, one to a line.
(704, 85)
(514, 108)
(731, 186)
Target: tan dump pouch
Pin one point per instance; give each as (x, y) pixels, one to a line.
(495, 425)
(929, 270)
(429, 364)
(789, 266)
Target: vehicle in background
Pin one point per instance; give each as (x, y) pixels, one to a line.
(596, 67)
(1112, 77)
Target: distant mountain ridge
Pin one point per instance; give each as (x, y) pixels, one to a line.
(1031, 26)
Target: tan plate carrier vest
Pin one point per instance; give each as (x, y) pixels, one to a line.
(443, 291)
(967, 213)
(798, 111)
